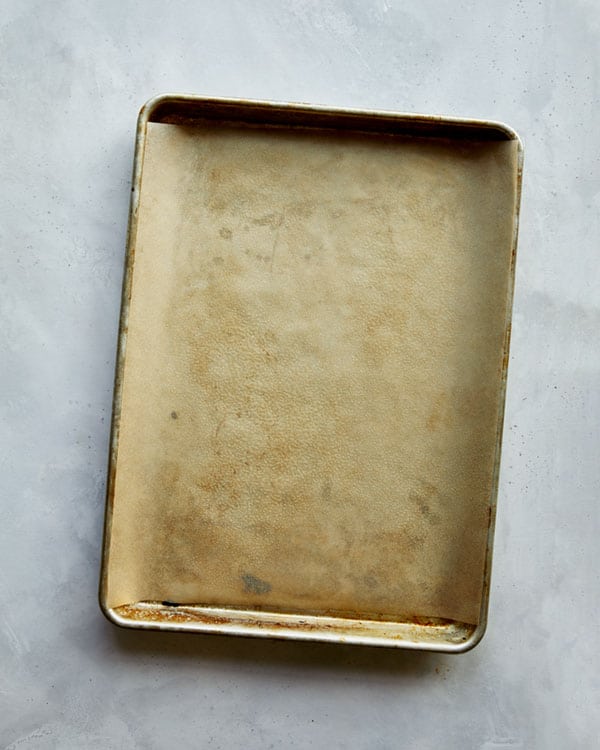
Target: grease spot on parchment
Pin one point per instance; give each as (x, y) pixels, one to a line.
(254, 585)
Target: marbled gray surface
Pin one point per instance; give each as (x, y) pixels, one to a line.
(72, 77)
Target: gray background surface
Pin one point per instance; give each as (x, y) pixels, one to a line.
(72, 77)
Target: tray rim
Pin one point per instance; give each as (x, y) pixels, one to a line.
(263, 623)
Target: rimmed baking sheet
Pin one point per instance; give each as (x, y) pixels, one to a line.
(310, 384)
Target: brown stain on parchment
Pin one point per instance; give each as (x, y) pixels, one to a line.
(299, 346)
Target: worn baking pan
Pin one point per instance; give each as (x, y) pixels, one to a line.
(311, 373)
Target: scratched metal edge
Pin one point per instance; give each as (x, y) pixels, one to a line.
(121, 347)
(480, 630)
(333, 629)
(290, 108)
(258, 624)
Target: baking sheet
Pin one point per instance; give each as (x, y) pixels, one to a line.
(313, 367)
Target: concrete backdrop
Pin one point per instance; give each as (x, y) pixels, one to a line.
(72, 77)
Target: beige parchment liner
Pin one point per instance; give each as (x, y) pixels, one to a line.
(313, 367)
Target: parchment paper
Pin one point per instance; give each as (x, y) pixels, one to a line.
(311, 387)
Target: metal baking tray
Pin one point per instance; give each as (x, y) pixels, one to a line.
(311, 373)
